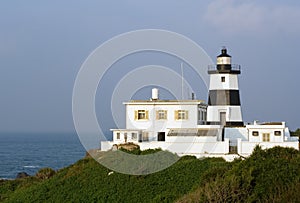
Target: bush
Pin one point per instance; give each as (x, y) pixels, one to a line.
(45, 173)
(270, 175)
(266, 176)
(296, 133)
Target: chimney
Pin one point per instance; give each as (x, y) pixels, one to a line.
(154, 94)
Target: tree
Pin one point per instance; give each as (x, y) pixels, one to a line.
(295, 133)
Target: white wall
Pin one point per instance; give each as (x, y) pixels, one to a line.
(190, 148)
(266, 129)
(235, 133)
(233, 113)
(231, 82)
(153, 126)
(190, 139)
(106, 145)
(182, 139)
(129, 136)
(181, 148)
(246, 148)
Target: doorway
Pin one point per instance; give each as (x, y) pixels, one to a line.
(222, 118)
(161, 136)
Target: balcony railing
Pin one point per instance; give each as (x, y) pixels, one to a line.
(234, 67)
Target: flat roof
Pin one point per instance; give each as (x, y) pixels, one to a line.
(165, 102)
(127, 129)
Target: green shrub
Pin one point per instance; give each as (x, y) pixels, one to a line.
(266, 176)
(270, 175)
(45, 173)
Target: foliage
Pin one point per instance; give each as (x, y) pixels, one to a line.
(296, 133)
(45, 173)
(266, 176)
(271, 175)
(138, 151)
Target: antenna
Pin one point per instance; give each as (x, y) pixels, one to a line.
(181, 66)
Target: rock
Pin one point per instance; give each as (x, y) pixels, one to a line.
(22, 175)
(128, 146)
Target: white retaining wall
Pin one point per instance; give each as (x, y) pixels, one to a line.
(181, 148)
(246, 148)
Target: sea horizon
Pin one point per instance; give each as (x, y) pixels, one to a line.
(30, 151)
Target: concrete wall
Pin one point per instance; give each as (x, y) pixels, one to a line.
(231, 82)
(246, 148)
(233, 113)
(198, 146)
(190, 139)
(106, 145)
(266, 129)
(181, 148)
(190, 148)
(234, 133)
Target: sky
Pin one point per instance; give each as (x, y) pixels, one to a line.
(43, 45)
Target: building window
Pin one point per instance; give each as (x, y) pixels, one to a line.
(161, 115)
(181, 115)
(255, 133)
(141, 115)
(222, 79)
(145, 136)
(277, 133)
(118, 136)
(266, 137)
(134, 136)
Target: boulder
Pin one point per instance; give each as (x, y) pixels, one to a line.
(22, 175)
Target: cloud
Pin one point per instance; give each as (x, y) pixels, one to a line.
(239, 17)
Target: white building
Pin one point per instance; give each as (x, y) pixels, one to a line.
(192, 127)
(156, 117)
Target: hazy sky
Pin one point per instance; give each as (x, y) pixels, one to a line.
(44, 43)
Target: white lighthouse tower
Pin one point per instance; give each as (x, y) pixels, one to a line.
(224, 106)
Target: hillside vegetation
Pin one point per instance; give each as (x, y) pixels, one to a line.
(271, 175)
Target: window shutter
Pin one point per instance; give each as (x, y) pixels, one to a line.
(166, 115)
(176, 115)
(157, 115)
(147, 115)
(186, 115)
(135, 115)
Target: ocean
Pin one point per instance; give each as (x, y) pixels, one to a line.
(24, 152)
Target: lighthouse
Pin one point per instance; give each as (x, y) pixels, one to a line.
(224, 105)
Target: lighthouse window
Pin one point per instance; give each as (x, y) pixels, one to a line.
(255, 133)
(278, 133)
(118, 136)
(161, 115)
(181, 115)
(223, 79)
(141, 115)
